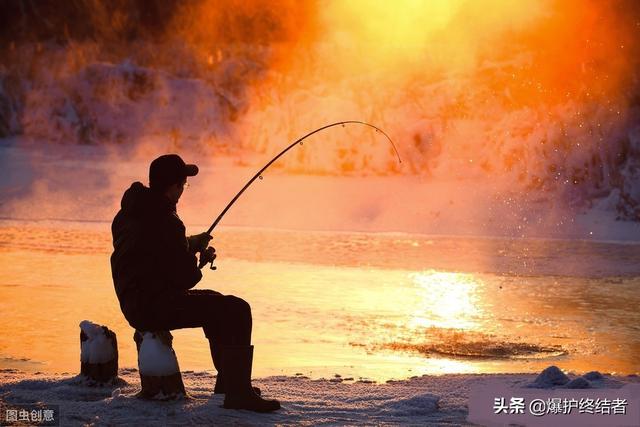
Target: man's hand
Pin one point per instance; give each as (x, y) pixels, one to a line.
(198, 242)
(207, 256)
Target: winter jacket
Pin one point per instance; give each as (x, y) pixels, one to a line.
(151, 258)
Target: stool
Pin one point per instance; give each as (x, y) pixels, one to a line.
(158, 366)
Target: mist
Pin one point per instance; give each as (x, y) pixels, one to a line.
(519, 116)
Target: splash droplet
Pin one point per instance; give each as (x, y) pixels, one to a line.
(260, 176)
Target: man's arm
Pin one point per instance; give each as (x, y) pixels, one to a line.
(198, 242)
(182, 265)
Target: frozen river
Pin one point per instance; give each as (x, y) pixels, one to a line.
(369, 305)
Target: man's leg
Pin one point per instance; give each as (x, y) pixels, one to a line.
(226, 319)
(231, 325)
(227, 323)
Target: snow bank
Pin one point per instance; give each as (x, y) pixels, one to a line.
(427, 400)
(573, 151)
(304, 401)
(122, 103)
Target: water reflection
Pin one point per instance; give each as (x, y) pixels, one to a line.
(446, 300)
(357, 320)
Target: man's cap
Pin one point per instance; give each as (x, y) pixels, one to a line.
(169, 169)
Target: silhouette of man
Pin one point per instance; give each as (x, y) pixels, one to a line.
(154, 267)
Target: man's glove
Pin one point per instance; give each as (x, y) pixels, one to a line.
(207, 256)
(198, 242)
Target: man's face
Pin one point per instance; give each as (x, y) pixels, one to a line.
(174, 191)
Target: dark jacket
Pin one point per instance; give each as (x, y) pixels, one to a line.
(151, 258)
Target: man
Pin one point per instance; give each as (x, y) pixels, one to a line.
(154, 267)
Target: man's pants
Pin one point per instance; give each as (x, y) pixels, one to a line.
(226, 319)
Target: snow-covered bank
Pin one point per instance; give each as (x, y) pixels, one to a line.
(496, 123)
(426, 400)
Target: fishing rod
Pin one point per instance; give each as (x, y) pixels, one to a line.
(298, 141)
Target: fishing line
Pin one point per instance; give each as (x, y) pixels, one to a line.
(258, 175)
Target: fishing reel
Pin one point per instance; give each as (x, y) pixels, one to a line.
(201, 264)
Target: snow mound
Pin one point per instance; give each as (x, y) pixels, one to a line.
(553, 377)
(550, 377)
(593, 376)
(579, 382)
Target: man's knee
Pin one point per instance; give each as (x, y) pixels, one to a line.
(238, 306)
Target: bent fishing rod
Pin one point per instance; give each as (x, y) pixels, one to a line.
(298, 141)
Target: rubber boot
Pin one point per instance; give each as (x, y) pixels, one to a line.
(220, 387)
(217, 363)
(237, 361)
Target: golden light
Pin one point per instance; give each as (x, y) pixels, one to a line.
(381, 26)
(448, 300)
(467, 88)
(428, 34)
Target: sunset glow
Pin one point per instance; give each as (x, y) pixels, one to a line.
(402, 37)
(487, 89)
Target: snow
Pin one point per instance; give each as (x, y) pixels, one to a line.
(573, 152)
(98, 347)
(593, 376)
(550, 377)
(425, 400)
(156, 358)
(579, 382)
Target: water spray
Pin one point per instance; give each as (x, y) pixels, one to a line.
(258, 175)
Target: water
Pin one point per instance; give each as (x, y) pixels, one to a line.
(376, 306)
